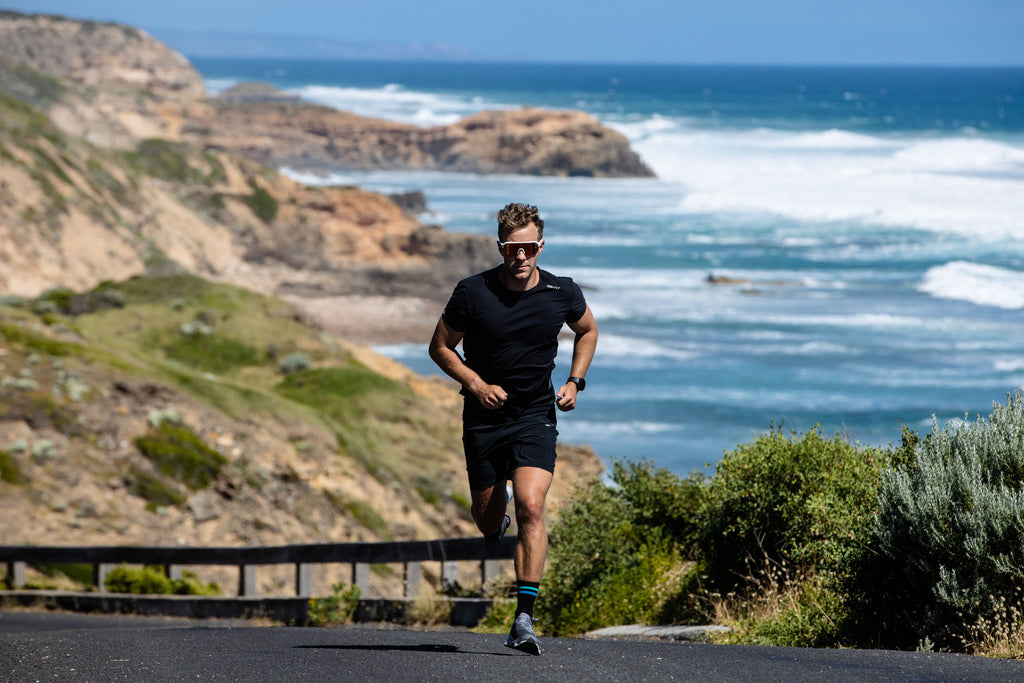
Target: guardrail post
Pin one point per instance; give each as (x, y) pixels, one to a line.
(247, 580)
(489, 569)
(449, 574)
(99, 575)
(173, 572)
(361, 577)
(413, 574)
(303, 579)
(16, 574)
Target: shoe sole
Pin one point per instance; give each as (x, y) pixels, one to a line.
(528, 646)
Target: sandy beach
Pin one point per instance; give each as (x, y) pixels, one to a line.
(373, 320)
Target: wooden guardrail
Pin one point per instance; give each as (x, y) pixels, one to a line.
(449, 552)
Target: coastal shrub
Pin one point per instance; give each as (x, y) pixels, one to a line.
(337, 608)
(262, 204)
(616, 551)
(364, 513)
(177, 452)
(10, 471)
(162, 159)
(294, 362)
(59, 298)
(152, 580)
(104, 296)
(950, 530)
(154, 490)
(800, 502)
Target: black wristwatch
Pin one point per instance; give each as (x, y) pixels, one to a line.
(580, 383)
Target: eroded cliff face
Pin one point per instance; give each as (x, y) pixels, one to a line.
(73, 215)
(118, 85)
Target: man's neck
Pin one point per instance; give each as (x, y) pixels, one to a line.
(515, 285)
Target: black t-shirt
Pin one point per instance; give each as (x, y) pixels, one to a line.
(511, 339)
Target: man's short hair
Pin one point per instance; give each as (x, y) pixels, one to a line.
(515, 216)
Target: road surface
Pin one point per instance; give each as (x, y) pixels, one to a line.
(50, 646)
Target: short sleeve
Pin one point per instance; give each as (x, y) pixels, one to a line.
(456, 313)
(577, 304)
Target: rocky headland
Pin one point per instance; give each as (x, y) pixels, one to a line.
(277, 131)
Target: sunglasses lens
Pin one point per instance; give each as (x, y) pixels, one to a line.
(529, 248)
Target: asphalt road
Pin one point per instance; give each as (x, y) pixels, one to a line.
(38, 646)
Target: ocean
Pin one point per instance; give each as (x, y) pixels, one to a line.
(864, 228)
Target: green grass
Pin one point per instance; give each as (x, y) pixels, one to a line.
(213, 353)
(16, 334)
(162, 159)
(154, 490)
(9, 469)
(76, 571)
(177, 452)
(364, 513)
(262, 204)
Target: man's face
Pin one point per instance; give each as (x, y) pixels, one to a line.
(519, 266)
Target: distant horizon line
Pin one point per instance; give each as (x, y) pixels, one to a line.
(638, 63)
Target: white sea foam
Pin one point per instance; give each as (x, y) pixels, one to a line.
(623, 428)
(618, 350)
(394, 103)
(1008, 365)
(961, 155)
(968, 186)
(215, 86)
(977, 283)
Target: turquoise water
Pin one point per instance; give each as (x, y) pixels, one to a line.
(871, 220)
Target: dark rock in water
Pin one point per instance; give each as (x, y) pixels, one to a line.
(413, 203)
(256, 92)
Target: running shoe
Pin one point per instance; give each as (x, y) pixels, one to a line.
(522, 637)
(500, 533)
(505, 523)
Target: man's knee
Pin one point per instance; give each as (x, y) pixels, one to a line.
(529, 509)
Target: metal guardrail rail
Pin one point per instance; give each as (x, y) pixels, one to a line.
(411, 554)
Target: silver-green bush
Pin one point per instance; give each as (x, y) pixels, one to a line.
(950, 526)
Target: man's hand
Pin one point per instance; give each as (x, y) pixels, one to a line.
(491, 396)
(566, 397)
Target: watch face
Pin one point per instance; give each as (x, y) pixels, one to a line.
(581, 383)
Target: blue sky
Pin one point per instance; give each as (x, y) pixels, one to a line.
(967, 32)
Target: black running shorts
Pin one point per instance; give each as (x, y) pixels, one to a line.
(493, 451)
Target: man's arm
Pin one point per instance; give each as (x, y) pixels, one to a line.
(442, 351)
(582, 353)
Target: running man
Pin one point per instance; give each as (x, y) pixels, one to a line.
(508, 320)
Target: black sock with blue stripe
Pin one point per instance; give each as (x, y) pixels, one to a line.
(526, 592)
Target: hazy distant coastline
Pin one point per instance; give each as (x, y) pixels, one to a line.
(268, 45)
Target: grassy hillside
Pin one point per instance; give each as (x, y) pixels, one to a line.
(172, 402)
